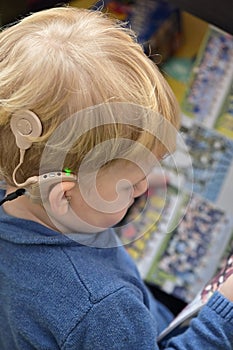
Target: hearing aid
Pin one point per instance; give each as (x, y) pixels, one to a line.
(38, 191)
(24, 125)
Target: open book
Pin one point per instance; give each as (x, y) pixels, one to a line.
(192, 309)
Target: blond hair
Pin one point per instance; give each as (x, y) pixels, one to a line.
(62, 60)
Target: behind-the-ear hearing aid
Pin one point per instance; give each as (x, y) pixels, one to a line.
(38, 192)
(24, 124)
(40, 186)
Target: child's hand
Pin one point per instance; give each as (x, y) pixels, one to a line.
(227, 288)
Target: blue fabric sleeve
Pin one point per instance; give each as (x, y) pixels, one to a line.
(211, 330)
(121, 321)
(118, 322)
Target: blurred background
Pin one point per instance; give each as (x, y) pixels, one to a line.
(219, 13)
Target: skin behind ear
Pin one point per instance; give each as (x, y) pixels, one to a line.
(58, 197)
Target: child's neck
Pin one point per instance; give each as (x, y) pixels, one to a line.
(22, 208)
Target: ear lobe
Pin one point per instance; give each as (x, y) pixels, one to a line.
(57, 199)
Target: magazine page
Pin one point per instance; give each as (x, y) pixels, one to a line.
(211, 78)
(210, 172)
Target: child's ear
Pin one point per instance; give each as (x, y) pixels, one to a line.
(57, 198)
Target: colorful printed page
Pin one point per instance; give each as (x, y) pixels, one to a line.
(211, 78)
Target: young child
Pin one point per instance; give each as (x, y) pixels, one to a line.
(84, 117)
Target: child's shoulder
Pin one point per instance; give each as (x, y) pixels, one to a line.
(103, 271)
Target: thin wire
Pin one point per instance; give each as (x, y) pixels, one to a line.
(13, 195)
(30, 180)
